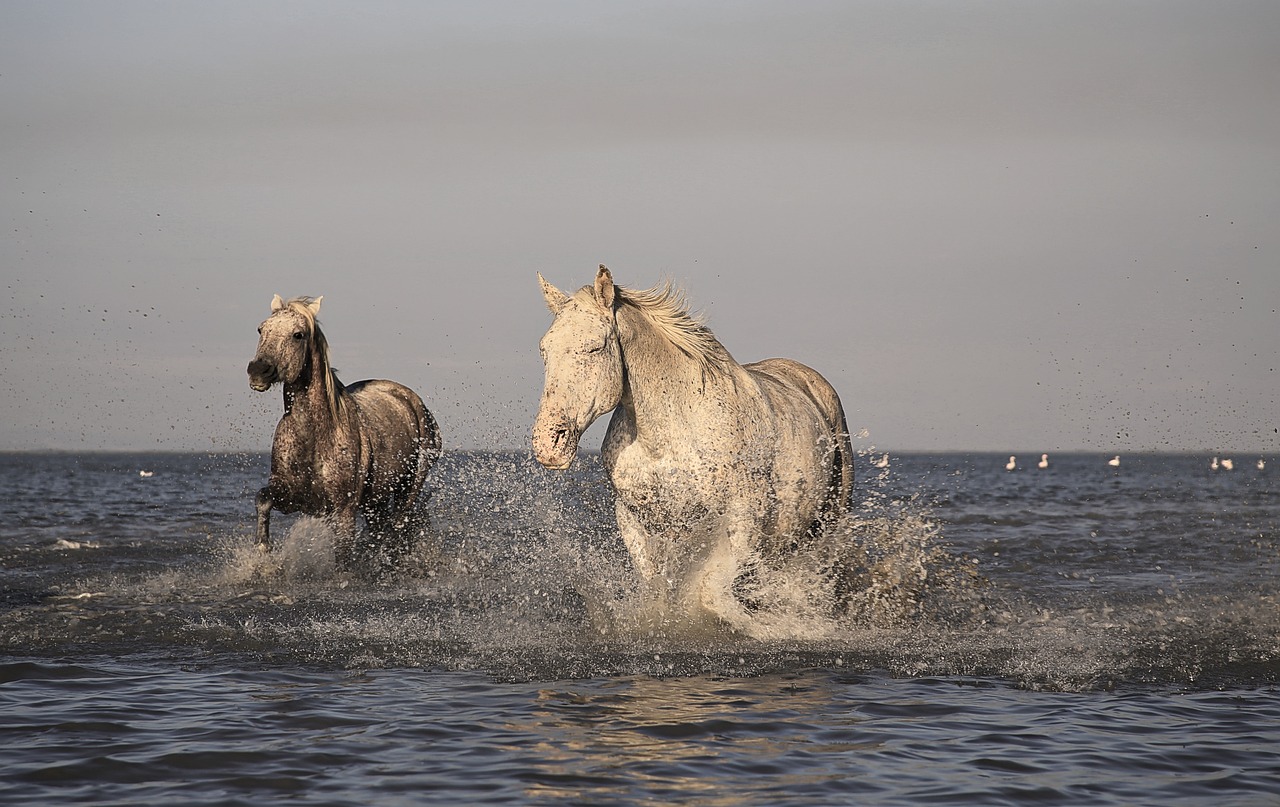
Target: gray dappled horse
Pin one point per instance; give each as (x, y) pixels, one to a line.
(719, 469)
(338, 451)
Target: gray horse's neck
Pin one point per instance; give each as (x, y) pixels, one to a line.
(305, 398)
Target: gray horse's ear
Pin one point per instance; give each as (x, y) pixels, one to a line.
(314, 305)
(277, 303)
(555, 298)
(604, 288)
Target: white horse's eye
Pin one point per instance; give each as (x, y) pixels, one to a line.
(297, 334)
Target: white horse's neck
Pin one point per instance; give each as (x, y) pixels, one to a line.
(665, 391)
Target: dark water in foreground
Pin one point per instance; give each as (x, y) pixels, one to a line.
(1077, 635)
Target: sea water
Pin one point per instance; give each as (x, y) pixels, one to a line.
(1080, 634)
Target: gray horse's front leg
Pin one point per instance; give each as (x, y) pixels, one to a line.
(265, 503)
(343, 524)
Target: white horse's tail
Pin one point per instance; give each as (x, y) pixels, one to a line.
(842, 477)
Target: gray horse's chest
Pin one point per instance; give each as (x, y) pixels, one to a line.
(311, 473)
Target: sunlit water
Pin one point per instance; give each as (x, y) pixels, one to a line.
(1080, 634)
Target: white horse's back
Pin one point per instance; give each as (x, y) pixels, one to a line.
(810, 382)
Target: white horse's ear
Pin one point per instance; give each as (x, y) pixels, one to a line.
(604, 288)
(555, 298)
(277, 303)
(314, 305)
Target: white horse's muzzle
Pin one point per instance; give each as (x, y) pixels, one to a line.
(556, 444)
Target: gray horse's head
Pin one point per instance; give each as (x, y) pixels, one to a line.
(285, 337)
(583, 360)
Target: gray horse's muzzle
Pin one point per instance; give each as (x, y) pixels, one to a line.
(262, 375)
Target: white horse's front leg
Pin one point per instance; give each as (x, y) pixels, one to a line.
(713, 582)
(649, 559)
(637, 540)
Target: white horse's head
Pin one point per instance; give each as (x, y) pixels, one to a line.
(285, 337)
(583, 360)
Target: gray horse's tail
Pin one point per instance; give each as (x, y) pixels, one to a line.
(429, 447)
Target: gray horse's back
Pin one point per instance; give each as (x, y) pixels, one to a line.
(401, 433)
(811, 383)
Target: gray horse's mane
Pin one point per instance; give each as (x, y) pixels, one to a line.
(666, 307)
(333, 389)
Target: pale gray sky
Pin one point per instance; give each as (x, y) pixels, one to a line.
(992, 225)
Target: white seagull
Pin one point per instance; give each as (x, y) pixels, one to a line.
(1044, 461)
(1011, 464)
(1114, 462)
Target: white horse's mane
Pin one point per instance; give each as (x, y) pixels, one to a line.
(666, 307)
(333, 389)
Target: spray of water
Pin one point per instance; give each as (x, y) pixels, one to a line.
(520, 558)
(523, 575)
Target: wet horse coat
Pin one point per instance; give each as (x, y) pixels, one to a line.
(718, 468)
(338, 452)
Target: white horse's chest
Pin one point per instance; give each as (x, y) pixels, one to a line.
(645, 481)
(671, 489)
(681, 484)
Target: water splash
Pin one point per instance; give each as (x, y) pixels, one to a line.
(527, 559)
(303, 553)
(525, 576)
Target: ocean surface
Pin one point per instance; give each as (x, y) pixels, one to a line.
(1081, 634)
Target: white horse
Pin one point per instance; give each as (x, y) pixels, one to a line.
(719, 470)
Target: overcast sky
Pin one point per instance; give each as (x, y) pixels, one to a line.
(992, 225)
